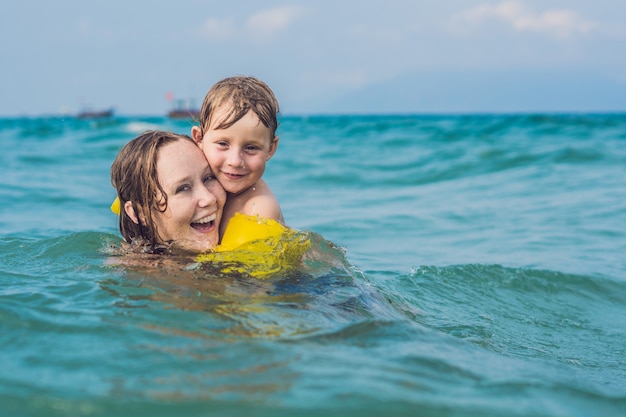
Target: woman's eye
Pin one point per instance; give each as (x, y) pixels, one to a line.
(182, 188)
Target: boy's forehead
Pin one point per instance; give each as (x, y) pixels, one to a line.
(223, 108)
(220, 112)
(225, 114)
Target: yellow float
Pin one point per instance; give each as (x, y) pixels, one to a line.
(254, 246)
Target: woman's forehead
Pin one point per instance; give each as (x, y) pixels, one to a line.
(180, 158)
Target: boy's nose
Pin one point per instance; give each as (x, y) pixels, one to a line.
(235, 159)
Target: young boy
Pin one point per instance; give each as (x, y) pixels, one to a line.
(237, 133)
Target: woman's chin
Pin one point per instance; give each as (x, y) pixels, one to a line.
(195, 246)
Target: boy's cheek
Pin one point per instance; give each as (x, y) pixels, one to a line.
(206, 149)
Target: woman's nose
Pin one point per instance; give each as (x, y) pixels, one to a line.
(206, 197)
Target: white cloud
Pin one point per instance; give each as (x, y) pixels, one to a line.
(267, 23)
(84, 27)
(217, 29)
(561, 23)
(259, 27)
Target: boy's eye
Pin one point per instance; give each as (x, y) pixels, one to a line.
(252, 148)
(208, 178)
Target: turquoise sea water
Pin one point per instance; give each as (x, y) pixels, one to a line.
(480, 271)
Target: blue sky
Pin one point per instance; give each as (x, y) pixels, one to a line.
(324, 56)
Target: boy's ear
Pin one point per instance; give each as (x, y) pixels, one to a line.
(196, 134)
(130, 211)
(273, 147)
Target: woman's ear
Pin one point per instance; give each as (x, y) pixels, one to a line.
(273, 147)
(196, 134)
(130, 211)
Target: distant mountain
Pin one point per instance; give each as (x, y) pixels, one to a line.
(487, 91)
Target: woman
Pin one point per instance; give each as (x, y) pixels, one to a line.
(168, 195)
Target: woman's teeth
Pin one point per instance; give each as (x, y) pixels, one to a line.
(207, 219)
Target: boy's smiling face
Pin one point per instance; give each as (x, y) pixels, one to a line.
(237, 154)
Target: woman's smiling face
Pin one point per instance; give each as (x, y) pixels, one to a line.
(195, 199)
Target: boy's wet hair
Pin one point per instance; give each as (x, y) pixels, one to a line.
(242, 93)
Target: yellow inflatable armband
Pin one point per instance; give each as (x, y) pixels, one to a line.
(115, 207)
(257, 247)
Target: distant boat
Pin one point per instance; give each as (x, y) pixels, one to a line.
(184, 110)
(95, 114)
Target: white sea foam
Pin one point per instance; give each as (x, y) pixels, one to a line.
(139, 127)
